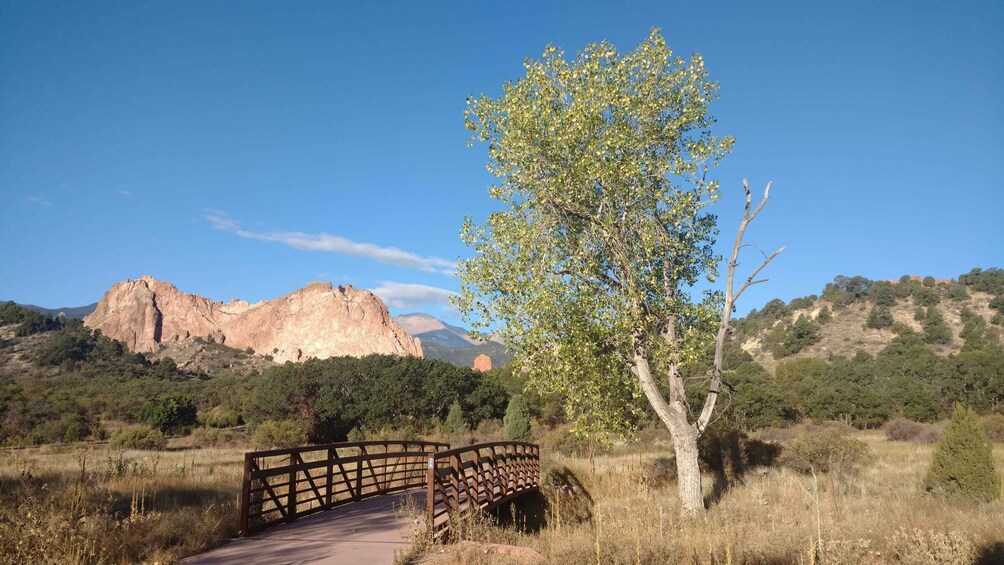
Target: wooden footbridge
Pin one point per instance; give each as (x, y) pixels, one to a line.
(358, 491)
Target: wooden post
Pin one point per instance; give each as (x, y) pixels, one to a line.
(359, 474)
(291, 492)
(332, 453)
(430, 494)
(245, 494)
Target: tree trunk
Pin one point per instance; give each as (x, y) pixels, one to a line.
(688, 471)
(674, 415)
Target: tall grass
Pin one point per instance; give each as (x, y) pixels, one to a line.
(625, 513)
(101, 505)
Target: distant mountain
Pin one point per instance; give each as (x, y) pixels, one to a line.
(450, 343)
(69, 311)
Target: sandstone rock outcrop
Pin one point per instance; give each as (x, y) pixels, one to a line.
(318, 320)
(482, 363)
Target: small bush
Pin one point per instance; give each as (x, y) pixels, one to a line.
(902, 429)
(517, 418)
(139, 438)
(281, 433)
(220, 417)
(994, 425)
(212, 437)
(921, 547)
(824, 452)
(963, 462)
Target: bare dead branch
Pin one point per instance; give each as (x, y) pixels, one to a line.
(730, 300)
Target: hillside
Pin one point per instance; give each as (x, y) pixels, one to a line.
(836, 323)
(74, 312)
(450, 343)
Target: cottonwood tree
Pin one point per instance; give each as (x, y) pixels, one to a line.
(589, 266)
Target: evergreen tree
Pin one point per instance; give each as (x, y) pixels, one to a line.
(824, 315)
(935, 330)
(454, 424)
(517, 418)
(880, 317)
(963, 462)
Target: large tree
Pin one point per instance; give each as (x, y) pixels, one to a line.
(589, 267)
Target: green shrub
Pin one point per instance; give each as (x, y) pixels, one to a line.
(172, 413)
(963, 462)
(139, 438)
(281, 433)
(879, 317)
(935, 329)
(220, 417)
(824, 315)
(517, 418)
(454, 424)
(824, 452)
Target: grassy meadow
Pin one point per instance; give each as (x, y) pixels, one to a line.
(98, 504)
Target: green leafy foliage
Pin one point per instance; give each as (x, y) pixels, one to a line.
(844, 290)
(786, 340)
(517, 418)
(170, 414)
(338, 394)
(27, 320)
(281, 433)
(601, 163)
(963, 462)
(882, 293)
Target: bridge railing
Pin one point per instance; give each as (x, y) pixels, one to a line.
(484, 476)
(281, 485)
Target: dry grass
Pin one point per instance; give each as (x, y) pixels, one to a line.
(621, 514)
(95, 504)
(98, 505)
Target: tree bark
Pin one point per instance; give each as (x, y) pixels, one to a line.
(674, 416)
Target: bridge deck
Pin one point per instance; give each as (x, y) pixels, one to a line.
(370, 531)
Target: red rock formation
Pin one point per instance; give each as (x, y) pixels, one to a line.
(482, 363)
(316, 321)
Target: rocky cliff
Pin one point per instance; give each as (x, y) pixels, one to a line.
(318, 320)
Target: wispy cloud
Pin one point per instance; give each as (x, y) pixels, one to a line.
(125, 193)
(37, 201)
(406, 295)
(334, 244)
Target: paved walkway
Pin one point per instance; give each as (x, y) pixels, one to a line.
(369, 532)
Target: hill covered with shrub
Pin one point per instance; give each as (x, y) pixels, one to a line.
(854, 314)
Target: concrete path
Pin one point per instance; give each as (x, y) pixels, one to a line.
(369, 532)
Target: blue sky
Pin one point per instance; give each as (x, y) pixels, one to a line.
(245, 149)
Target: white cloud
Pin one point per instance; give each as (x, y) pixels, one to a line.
(335, 244)
(125, 193)
(406, 295)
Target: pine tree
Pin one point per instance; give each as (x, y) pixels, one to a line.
(963, 462)
(880, 317)
(517, 418)
(454, 424)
